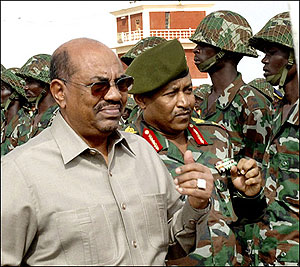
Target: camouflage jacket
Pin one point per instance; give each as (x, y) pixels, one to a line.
(276, 237)
(20, 129)
(247, 116)
(209, 143)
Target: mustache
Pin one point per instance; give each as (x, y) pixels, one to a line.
(183, 110)
(102, 104)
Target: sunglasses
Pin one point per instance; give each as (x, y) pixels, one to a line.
(101, 88)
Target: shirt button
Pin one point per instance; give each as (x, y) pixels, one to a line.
(282, 254)
(192, 221)
(110, 173)
(123, 206)
(134, 244)
(93, 152)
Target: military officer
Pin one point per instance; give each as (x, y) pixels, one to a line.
(166, 101)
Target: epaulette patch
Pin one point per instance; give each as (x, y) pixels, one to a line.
(152, 139)
(130, 130)
(197, 135)
(197, 120)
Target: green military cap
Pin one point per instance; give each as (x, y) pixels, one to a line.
(16, 82)
(158, 66)
(37, 67)
(140, 47)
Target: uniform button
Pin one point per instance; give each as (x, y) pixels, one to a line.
(93, 152)
(192, 221)
(283, 254)
(123, 206)
(110, 173)
(134, 244)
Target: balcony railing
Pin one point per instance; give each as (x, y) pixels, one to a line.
(168, 34)
(173, 33)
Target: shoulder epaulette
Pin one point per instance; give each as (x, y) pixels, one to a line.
(152, 139)
(197, 135)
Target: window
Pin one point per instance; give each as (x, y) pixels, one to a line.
(167, 15)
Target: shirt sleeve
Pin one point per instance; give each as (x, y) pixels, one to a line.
(18, 215)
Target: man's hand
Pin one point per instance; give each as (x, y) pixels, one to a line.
(186, 181)
(246, 177)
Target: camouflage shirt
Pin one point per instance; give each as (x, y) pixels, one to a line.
(209, 143)
(247, 116)
(277, 235)
(20, 129)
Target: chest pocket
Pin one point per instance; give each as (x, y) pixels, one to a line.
(155, 210)
(86, 236)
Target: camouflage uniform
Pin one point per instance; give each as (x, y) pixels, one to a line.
(17, 84)
(217, 246)
(241, 109)
(21, 128)
(276, 236)
(140, 47)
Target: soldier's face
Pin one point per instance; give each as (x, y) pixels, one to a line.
(170, 109)
(203, 52)
(6, 91)
(33, 88)
(275, 58)
(92, 115)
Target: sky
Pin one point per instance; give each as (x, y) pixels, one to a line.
(35, 27)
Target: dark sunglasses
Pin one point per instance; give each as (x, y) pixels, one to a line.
(101, 88)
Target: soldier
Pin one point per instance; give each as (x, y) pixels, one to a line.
(23, 127)
(199, 93)
(130, 104)
(222, 41)
(276, 237)
(140, 47)
(166, 100)
(267, 89)
(12, 97)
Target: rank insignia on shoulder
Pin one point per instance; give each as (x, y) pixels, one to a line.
(152, 139)
(225, 165)
(130, 130)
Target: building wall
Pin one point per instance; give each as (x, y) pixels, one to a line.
(178, 19)
(122, 24)
(186, 19)
(133, 19)
(157, 20)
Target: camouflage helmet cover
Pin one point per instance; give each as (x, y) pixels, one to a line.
(14, 81)
(140, 47)
(226, 30)
(2, 68)
(202, 89)
(277, 30)
(37, 67)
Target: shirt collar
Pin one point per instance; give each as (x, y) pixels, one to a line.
(71, 144)
(230, 92)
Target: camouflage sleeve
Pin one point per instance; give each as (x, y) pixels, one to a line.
(257, 117)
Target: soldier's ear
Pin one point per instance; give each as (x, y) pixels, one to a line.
(57, 88)
(140, 100)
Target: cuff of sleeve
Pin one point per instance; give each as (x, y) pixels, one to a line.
(239, 194)
(192, 216)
